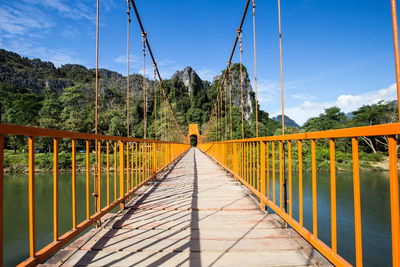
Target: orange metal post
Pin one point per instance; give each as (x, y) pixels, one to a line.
(241, 160)
(73, 184)
(267, 148)
(87, 180)
(121, 173)
(314, 188)
(290, 176)
(248, 163)
(127, 166)
(253, 146)
(115, 170)
(235, 161)
(155, 167)
(357, 203)
(258, 181)
(136, 164)
(99, 175)
(394, 200)
(300, 159)
(333, 196)
(280, 175)
(132, 184)
(55, 189)
(1, 197)
(31, 182)
(262, 173)
(108, 173)
(145, 162)
(273, 172)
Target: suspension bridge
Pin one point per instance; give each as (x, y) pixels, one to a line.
(226, 202)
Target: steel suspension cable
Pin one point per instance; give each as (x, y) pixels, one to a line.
(283, 113)
(230, 96)
(155, 103)
(255, 62)
(161, 116)
(230, 58)
(239, 32)
(280, 49)
(396, 52)
(127, 69)
(95, 176)
(157, 70)
(226, 126)
(144, 34)
(218, 117)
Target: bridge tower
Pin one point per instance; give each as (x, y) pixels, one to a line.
(194, 130)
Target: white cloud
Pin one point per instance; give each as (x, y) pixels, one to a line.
(345, 102)
(303, 96)
(22, 20)
(76, 10)
(33, 50)
(268, 91)
(122, 59)
(206, 74)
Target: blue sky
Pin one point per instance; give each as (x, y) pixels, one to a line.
(337, 52)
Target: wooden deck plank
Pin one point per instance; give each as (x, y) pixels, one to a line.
(194, 215)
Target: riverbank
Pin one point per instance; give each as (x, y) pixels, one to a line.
(18, 162)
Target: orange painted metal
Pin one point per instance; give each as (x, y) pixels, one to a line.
(318, 244)
(73, 184)
(1, 197)
(314, 188)
(115, 170)
(280, 175)
(290, 178)
(132, 154)
(59, 241)
(87, 180)
(214, 150)
(300, 160)
(254, 166)
(136, 163)
(52, 247)
(55, 189)
(99, 175)
(108, 172)
(127, 166)
(121, 173)
(374, 130)
(267, 149)
(10, 129)
(357, 202)
(394, 200)
(273, 173)
(262, 173)
(258, 178)
(31, 198)
(333, 196)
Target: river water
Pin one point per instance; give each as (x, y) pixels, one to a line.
(375, 207)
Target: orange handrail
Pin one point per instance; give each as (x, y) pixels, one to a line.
(150, 164)
(244, 146)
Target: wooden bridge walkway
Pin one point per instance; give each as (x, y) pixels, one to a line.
(194, 214)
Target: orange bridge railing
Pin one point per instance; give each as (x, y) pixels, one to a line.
(253, 162)
(136, 161)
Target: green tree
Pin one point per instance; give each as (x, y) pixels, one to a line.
(332, 118)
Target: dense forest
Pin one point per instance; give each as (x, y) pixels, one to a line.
(36, 93)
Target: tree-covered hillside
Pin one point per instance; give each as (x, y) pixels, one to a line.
(36, 93)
